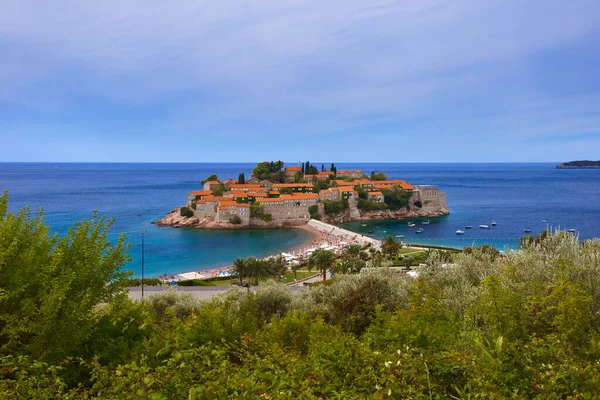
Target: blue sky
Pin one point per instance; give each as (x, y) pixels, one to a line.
(393, 81)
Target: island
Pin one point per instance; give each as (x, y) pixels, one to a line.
(581, 164)
(278, 196)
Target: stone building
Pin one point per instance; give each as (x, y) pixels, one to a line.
(228, 209)
(431, 199)
(210, 185)
(352, 173)
(246, 187)
(376, 196)
(290, 209)
(294, 187)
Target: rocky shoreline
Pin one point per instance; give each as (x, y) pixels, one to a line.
(175, 220)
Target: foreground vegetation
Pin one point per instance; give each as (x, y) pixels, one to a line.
(491, 326)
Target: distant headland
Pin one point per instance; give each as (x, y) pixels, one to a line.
(278, 196)
(579, 164)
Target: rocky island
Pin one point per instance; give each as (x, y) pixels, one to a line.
(581, 164)
(278, 196)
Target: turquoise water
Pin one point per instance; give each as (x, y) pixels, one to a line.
(517, 196)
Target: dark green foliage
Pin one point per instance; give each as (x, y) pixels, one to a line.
(257, 210)
(186, 212)
(378, 176)
(131, 282)
(241, 179)
(314, 212)
(234, 219)
(333, 168)
(212, 177)
(368, 205)
(485, 249)
(581, 164)
(522, 325)
(396, 197)
(195, 282)
(335, 207)
(418, 204)
(271, 171)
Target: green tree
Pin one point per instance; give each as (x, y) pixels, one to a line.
(391, 246)
(353, 250)
(50, 285)
(322, 260)
(240, 265)
(257, 210)
(212, 177)
(396, 197)
(241, 179)
(378, 176)
(333, 168)
(257, 270)
(269, 170)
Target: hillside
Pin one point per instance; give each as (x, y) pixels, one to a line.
(583, 164)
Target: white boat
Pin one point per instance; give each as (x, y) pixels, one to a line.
(425, 222)
(411, 224)
(493, 223)
(544, 221)
(384, 231)
(528, 230)
(419, 230)
(484, 226)
(460, 232)
(468, 227)
(400, 236)
(571, 230)
(363, 224)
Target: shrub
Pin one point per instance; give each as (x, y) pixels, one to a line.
(273, 300)
(147, 281)
(235, 219)
(314, 212)
(368, 205)
(418, 204)
(335, 207)
(186, 212)
(181, 304)
(195, 282)
(257, 210)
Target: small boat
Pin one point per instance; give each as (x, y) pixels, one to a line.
(571, 230)
(384, 231)
(139, 215)
(528, 230)
(484, 226)
(544, 221)
(425, 222)
(468, 227)
(400, 236)
(419, 230)
(371, 230)
(363, 224)
(493, 223)
(411, 224)
(460, 232)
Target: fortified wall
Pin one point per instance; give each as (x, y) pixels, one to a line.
(431, 199)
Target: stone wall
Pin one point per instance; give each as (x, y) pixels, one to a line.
(431, 198)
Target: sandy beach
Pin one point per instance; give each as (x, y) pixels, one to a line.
(336, 239)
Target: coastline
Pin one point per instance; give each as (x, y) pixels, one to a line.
(312, 240)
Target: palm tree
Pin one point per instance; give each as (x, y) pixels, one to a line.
(277, 266)
(391, 246)
(352, 250)
(240, 266)
(258, 270)
(322, 260)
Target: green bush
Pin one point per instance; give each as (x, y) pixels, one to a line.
(235, 219)
(368, 205)
(314, 212)
(257, 210)
(195, 282)
(147, 282)
(335, 207)
(418, 204)
(186, 212)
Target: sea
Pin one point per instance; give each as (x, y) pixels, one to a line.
(517, 197)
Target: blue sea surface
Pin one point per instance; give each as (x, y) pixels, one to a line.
(517, 196)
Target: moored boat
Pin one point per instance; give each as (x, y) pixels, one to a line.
(400, 236)
(460, 232)
(571, 230)
(468, 227)
(425, 222)
(493, 223)
(527, 230)
(419, 230)
(411, 224)
(484, 226)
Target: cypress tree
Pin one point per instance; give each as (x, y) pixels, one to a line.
(303, 168)
(322, 167)
(307, 168)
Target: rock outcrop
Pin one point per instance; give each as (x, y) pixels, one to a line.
(381, 215)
